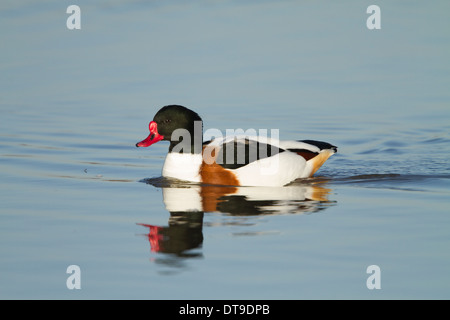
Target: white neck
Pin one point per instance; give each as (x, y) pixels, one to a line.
(183, 166)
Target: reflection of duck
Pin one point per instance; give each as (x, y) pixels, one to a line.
(238, 160)
(187, 203)
(179, 196)
(183, 233)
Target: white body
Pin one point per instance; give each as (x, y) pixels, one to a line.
(277, 170)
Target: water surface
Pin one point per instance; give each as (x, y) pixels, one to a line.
(75, 190)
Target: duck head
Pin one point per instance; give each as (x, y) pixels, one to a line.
(170, 118)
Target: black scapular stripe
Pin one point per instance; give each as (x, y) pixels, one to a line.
(238, 153)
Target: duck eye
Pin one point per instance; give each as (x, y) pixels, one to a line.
(167, 121)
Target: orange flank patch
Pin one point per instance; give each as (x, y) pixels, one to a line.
(319, 160)
(212, 173)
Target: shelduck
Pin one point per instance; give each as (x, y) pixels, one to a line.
(236, 160)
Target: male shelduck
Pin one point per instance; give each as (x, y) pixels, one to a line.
(237, 160)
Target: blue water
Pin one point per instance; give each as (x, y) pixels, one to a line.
(76, 191)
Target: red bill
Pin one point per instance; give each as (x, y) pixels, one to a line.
(152, 138)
